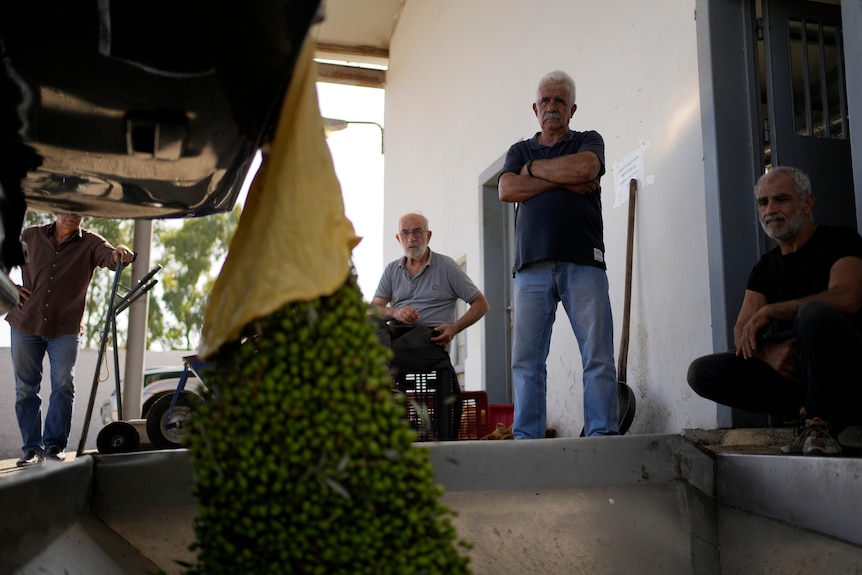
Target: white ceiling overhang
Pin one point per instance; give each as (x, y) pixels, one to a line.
(352, 40)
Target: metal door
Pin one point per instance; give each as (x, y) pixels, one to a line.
(806, 102)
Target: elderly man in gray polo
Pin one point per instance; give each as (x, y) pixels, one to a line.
(416, 301)
(422, 287)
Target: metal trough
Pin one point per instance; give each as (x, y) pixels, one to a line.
(631, 504)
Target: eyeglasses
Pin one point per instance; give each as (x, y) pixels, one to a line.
(417, 233)
(70, 215)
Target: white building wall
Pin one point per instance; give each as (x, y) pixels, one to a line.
(461, 82)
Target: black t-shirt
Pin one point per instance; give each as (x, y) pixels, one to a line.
(806, 271)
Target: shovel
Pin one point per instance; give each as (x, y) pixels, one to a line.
(625, 396)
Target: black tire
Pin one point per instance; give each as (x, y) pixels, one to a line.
(118, 437)
(170, 434)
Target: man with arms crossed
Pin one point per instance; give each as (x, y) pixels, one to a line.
(559, 257)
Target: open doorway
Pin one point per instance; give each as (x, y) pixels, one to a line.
(498, 232)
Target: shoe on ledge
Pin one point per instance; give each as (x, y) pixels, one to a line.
(31, 457)
(54, 453)
(814, 437)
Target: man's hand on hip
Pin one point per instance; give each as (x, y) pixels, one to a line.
(445, 333)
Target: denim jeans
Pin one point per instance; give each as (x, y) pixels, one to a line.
(583, 289)
(28, 352)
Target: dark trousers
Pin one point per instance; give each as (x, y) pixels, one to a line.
(414, 355)
(829, 352)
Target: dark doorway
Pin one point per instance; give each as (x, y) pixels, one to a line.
(806, 102)
(772, 86)
(498, 229)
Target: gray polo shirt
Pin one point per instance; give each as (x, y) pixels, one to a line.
(434, 291)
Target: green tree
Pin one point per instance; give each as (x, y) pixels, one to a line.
(190, 256)
(189, 252)
(118, 232)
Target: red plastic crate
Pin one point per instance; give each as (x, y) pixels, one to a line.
(474, 415)
(500, 413)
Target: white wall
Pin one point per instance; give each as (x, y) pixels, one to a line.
(460, 85)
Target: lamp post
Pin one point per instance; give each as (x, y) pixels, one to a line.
(335, 125)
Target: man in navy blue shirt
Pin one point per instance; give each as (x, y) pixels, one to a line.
(553, 178)
(798, 335)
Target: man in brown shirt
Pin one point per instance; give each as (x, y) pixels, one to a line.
(48, 318)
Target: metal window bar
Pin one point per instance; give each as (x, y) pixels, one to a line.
(842, 96)
(806, 77)
(824, 85)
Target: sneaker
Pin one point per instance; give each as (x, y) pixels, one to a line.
(54, 453)
(32, 457)
(814, 438)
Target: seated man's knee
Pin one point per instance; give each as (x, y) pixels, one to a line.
(814, 316)
(695, 376)
(706, 374)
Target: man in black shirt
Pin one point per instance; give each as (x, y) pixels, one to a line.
(798, 335)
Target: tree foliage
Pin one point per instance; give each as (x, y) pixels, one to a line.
(189, 252)
(190, 255)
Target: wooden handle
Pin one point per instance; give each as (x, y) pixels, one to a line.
(622, 362)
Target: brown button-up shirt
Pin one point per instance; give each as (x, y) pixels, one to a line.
(58, 277)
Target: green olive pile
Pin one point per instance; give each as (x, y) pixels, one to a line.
(304, 461)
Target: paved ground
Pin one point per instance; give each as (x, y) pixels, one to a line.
(10, 437)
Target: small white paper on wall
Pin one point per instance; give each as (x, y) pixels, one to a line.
(631, 166)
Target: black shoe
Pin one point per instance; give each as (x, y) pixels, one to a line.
(32, 457)
(54, 453)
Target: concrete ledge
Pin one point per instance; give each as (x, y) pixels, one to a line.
(144, 480)
(570, 462)
(815, 493)
(39, 506)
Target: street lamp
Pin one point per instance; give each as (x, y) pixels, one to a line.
(334, 125)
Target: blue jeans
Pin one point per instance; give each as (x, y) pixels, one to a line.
(28, 352)
(583, 289)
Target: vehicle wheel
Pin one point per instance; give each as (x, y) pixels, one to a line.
(170, 433)
(118, 437)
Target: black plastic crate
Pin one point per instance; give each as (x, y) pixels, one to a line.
(433, 403)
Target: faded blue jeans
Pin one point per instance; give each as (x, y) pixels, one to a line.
(583, 289)
(28, 352)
